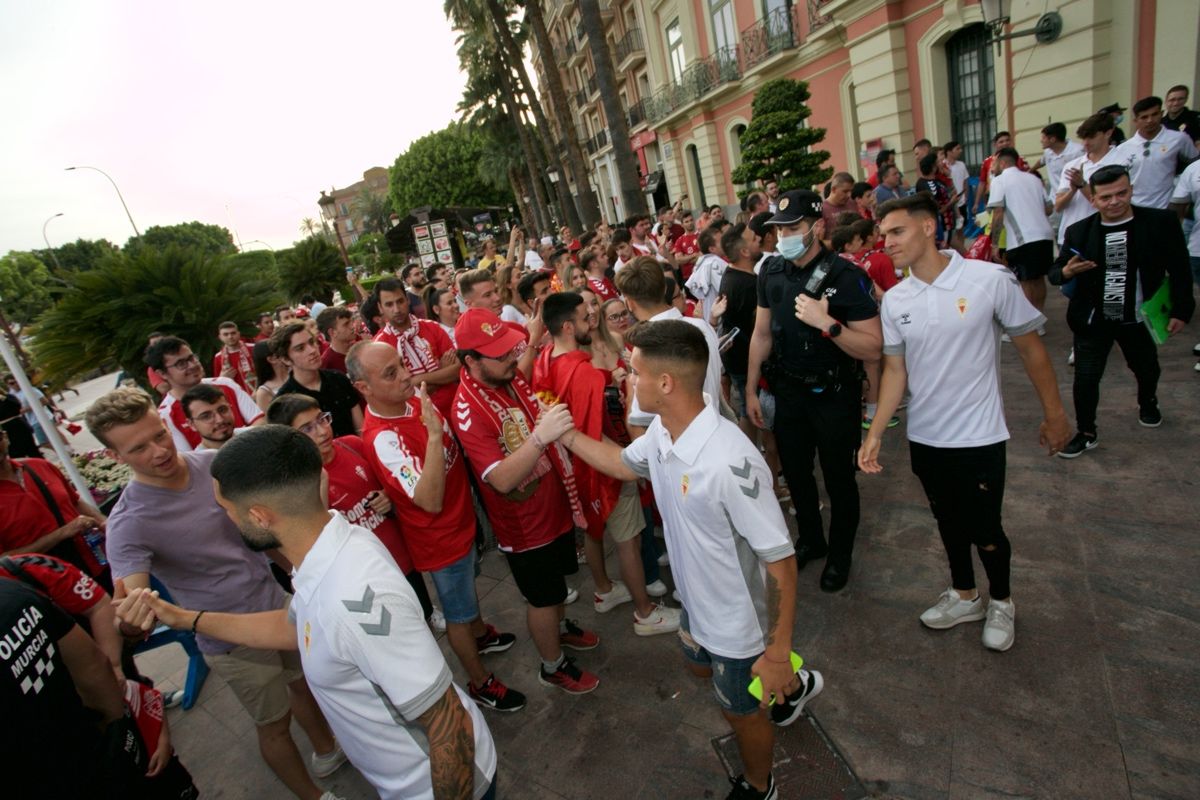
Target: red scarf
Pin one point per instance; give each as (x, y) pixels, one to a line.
(415, 351)
(571, 379)
(496, 405)
(241, 365)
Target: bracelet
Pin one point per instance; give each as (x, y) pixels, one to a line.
(196, 621)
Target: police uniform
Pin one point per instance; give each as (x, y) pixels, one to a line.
(818, 389)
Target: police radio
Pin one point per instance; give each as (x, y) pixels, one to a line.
(816, 281)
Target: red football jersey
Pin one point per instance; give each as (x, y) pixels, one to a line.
(351, 483)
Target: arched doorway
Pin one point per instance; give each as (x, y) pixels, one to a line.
(693, 157)
(972, 92)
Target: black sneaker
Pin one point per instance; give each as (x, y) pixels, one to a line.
(742, 790)
(494, 641)
(1079, 445)
(785, 712)
(496, 696)
(1149, 416)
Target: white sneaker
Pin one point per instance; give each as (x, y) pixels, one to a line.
(326, 765)
(572, 596)
(331, 796)
(661, 620)
(437, 620)
(675, 596)
(951, 610)
(1004, 337)
(1042, 331)
(1071, 358)
(664, 560)
(1001, 627)
(614, 597)
(656, 589)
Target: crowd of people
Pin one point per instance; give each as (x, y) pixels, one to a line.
(566, 395)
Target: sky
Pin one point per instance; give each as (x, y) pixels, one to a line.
(233, 113)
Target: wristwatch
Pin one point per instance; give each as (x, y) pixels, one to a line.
(835, 330)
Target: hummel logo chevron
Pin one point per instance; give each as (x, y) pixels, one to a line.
(381, 628)
(750, 491)
(361, 606)
(743, 471)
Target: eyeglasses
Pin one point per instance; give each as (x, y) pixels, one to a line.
(209, 416)
(323, 420)
(182, 363)
(624, 315)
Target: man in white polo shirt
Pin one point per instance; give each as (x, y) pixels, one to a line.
(731, 554)
(369, 657)
(941, 331)
(1154, 155)
(1018, 205)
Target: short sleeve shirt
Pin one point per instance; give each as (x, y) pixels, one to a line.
(24, 515)
(68, 587)
(337, 395)
(712, 376)
(395, 449)
(1079, 206)
(1187, 190)
(421, 357)
(351, 484)
(1023, 198)
(741, 292)
(1152, 164)
(949, 335)
(722, 524)
(245, 411)
(187, 541)
(1057, 162)
(373, 664)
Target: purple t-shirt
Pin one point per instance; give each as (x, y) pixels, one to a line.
(186, 540)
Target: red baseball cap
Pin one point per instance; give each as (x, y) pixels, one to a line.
(482, 331)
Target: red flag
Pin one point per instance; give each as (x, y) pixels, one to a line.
(570, 378)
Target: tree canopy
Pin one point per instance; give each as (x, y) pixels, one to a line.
(441, 169)
(25, 284)
(210, 239)
(105, 314)
(77, 256)
(776, 145)
(311, 265)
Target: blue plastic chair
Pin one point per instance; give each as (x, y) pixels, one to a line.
(162, 635)
(970, 228)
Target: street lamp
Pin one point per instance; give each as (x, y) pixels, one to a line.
(46, 239)
(136, 232)
(329, 212)
(1048, 28)
(552, 174)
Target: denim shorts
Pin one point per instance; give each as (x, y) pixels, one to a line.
(455, 586)
(731, 677)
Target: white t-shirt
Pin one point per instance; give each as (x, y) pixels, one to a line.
(712, 377)
(1023, 198)
(959, 176)
(511, 313)
(245, 406)
(949, 335)
(1152, 164)
(722, 525)
(533, 260)
(705, 281)
(1187, 190)
(1056, 162)
(1079, 207)
(373, 664)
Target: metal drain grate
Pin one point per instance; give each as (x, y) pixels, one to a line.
(807, 764)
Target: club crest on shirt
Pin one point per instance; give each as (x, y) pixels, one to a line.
(684, 484)
(360, 472)
(961, 304)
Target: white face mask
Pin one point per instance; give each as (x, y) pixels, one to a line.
(793, 247)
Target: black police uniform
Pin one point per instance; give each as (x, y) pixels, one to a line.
(818, 390)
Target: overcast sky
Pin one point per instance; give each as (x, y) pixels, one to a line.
(234, 113)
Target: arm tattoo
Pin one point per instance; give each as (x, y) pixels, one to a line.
(451, 748)
(774, 601)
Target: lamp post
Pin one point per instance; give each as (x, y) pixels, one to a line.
(329, 212)
(132, 224)
(46, 239)
(1048, 27)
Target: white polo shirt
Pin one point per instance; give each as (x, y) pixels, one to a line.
(712, 377)
(372, 663)
(1079, 207)
(722, 524)
(1152, 164)
(1187, 190)
(949, 335)
(1057, 162)
(1023, 198)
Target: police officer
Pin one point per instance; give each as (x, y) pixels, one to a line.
(816, 322)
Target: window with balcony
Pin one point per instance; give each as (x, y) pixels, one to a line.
(675, 57)
(724, 30)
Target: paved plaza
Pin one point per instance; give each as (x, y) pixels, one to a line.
(1098, 698)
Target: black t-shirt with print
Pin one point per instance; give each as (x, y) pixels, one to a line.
(337, 396)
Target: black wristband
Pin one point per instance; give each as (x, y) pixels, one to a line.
(196, 621)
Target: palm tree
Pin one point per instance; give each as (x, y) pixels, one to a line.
(374, 210)
(308, 226)
(589, 210)
(311, 265)
(618, 128)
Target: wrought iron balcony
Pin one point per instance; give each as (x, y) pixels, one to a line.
(629, 49)
(772, 34)
(636, 114)
(697, 80)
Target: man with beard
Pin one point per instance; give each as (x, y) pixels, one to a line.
(355, 621)
(426, 350)
(564, 374)
(209, 568)
(208, 412)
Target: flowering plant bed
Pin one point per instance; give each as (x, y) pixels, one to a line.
(105, 475)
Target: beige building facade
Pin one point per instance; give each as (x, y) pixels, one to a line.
(882, 73)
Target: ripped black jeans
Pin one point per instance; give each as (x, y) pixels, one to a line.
(965, 487)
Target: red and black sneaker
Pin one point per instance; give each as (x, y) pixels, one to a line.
(495, 695)
(568, 677)
(576, 637)
(494, 641)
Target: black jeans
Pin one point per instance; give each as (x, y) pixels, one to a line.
(829, 424)
(965, 487)
(1091, 356)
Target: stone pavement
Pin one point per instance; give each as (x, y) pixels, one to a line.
(1099, 697)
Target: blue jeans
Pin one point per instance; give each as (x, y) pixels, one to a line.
(455, 584)
(731, 677)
